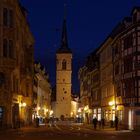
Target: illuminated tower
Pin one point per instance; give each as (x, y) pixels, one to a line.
(63, 76)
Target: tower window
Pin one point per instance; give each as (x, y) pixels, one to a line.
(64, 64)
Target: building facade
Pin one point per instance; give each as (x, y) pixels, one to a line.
(119, 74)
(63, 77)
(16, 65)
(106, 80)
(84, 94)
(42, 94)
(89, 89)
(126, 62)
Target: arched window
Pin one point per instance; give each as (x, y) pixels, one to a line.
(64, 64)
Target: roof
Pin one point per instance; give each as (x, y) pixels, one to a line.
(64, 41)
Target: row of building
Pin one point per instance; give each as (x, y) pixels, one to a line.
(110, 78)
(24, 85)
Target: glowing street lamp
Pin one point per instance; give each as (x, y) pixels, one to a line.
(51, 112)
(111, 103)
(46, 110)
(22, 104)
(71, 114)
(38, 108)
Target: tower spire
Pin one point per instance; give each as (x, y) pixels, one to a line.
(64, 40)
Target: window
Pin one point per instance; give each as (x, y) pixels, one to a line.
(10, 18)
(128, 41)
(1, 112)
(5, 47)
(2, 78)
(8, 48)
(64, 65)
(7, 17)
(128, 64)
(129, 88)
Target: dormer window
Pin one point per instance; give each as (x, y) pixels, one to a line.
(64, 64)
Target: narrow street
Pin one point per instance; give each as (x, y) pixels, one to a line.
(67, 133)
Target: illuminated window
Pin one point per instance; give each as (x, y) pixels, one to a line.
(64, 64)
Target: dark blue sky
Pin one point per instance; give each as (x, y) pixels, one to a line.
(88, 24)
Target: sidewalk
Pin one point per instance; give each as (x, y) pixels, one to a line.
(106, 128)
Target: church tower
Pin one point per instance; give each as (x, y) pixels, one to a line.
(63, 76)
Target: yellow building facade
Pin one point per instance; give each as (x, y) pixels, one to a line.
(41, 94)
(16, 65)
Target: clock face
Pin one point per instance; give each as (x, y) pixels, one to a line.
(2, 78)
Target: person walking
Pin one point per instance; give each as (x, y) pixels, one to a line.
(116, 122)
(95, 123)
(37, 122)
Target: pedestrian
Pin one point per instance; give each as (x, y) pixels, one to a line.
(95, 123)
(37, 122)
(103, 123)
(116, 122)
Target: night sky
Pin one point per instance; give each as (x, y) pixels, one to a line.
(88, 24)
